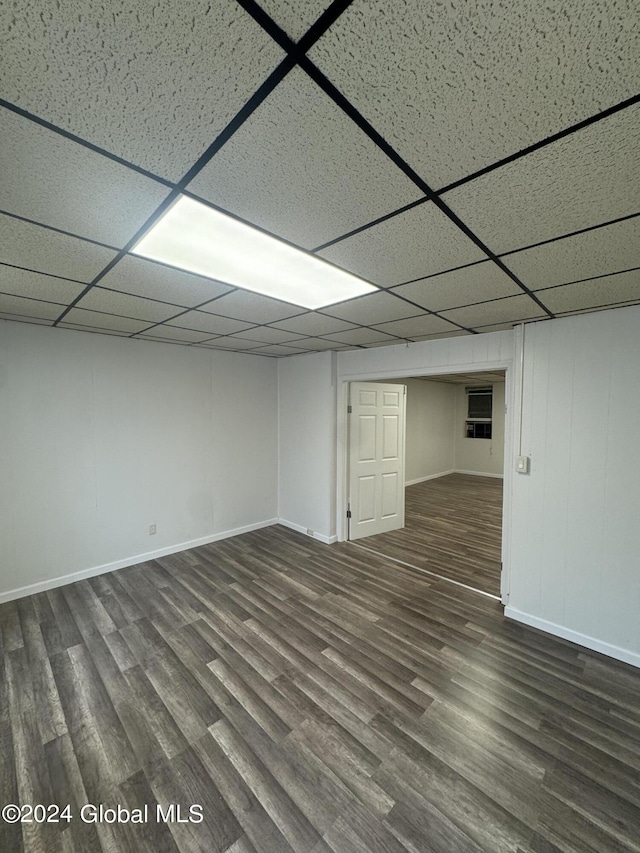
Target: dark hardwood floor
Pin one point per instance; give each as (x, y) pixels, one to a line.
(310, 698)
(453, 527)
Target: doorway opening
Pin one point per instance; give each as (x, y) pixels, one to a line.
(453, 475)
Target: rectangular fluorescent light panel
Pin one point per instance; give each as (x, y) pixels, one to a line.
(197, 238)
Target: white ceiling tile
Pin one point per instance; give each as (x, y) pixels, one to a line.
(418, 242)
(509, 310)
(590, 177)
(154, 83)
(389, 342)
(276, 350)
(295, 16)
(617, 307)
(268, 335)
(156, 89)
(456, 333)
(17, 318)
(376, 308)
(176, 335)
(362, 337)
(455, 87)
(94, 319)
(38, 286)
(52, 180)
(114, 302)
(150, 338)
(623, 287)
(315, 345)
(252, 307)
(210, 323)
(156, 281)
(39, 249)
(93, 330)
(603, 250)
(23, 307)
(314, 174)
(426, 324)
(479, 377)
(498, 327)
(313, 323)
(476, 283)
(231, 344)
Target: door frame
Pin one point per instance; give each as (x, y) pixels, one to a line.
(511, 431)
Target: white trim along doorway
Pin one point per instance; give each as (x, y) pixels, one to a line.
(512, 419)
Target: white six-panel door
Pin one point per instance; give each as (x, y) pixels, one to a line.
(376, 458)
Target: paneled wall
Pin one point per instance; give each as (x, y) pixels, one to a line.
(441, 356)
(575, 520)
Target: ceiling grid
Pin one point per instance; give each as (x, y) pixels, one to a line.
(327, 125)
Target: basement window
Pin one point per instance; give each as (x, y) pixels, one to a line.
(479, 412)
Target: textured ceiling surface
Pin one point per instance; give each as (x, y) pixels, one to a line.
(479, 163)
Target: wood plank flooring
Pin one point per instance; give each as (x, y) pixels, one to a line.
(310, 698)
(453, 527)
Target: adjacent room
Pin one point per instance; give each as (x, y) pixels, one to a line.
(319, 401)
(453, 470)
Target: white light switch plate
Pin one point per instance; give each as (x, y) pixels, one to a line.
(522, 466)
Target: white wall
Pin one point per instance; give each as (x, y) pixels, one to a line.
(100, 437)
(307, 448)
(576, 516)
(431, 412)
(480, 455)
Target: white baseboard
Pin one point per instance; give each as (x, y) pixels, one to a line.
(452, 471)
(429, 477)
(592, 643)
(328, 540)
(62, 580)
(478, 473)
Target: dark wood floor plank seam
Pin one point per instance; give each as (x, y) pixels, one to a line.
(453, 528)
(314, 698)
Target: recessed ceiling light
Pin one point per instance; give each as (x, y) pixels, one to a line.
(197, 238)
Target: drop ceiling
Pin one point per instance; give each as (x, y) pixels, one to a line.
(479, 378)
(479, 163)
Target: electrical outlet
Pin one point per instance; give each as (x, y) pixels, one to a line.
(309, 531)
(152, 530)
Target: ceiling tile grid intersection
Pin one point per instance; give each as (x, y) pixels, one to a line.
(153, 83)
(414, 244)
(465, 286)
(495, 78)
(53, 181)
(31, 247)
(313, 176)
(300, 166)
(582, 180)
